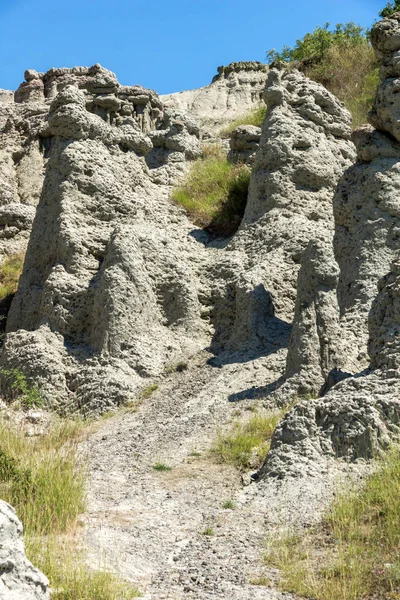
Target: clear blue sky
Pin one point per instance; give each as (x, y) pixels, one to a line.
(167, 45)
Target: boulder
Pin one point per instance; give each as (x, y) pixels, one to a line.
(19, 579)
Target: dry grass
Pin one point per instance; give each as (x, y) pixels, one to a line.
(10, 272)
(246, 444)
(44, 481)
(354, 553)
(215, 193)
(351, 73)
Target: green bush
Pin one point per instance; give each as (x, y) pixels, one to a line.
(313, 46)
(215, 194)
(342, 60)
(390, 9)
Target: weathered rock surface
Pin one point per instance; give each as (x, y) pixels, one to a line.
(235, 91)
(244, 143)
(304, 148)
(108, 294)
(358, 417)
(19, 579)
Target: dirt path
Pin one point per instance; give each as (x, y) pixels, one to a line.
(152, 526)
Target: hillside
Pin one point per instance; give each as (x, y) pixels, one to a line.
(192, 379)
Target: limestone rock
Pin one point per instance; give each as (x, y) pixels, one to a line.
(19, 579)
(235, 91)
(108, 289)
(244, 143)
(312, 352)
(304, 148)
(384, 323)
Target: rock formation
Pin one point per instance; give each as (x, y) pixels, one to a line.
(244, 143)
(108, 294)
(234, 91)
(19, 580)
(358, 417)
(304, 148)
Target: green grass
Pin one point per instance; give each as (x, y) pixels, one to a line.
(254, 117)
(228, 505)
(159, 466)
(247, 443)
(15, 386)
(148, 391)
(10, 272)
(354, 553)
(208, 531)
(44, 481)
(214, 194)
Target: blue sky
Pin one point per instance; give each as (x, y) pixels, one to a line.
(167, 45)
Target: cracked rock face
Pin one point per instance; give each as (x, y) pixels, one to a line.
(19, 580)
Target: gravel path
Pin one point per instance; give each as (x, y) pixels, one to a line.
(152, 526)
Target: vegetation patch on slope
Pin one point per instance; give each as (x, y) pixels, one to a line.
(10, 272)
(354, 553)
(255, 117)
(342, 59)
(214, 194)
(246, 444)
(42, 478)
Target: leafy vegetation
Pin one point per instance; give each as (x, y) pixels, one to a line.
(215, 193)
(342, 59)
(159, 466)
(228, 505)
(247, 443)
(354, 553)
(314, 45)
(15, 386)
(390, 9)
(255, 117)
(42, 478)
(10, 272)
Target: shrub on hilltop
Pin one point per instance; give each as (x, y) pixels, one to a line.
(342, 59)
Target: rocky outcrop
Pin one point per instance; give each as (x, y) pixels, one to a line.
(19, 580)
(108, 293)
(26, 138)
(304, 148)
(244, 143)
(236, 90)
(360, 416)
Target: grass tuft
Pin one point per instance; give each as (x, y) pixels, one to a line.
(228, 505)
(354, 553)
(159, 466)
(246, 444)
(15, 386)
(215, 193)
(10, 272)
(255, 117)
(208, 531)
(148, 391)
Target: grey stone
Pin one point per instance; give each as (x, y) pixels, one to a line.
(19, 579)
